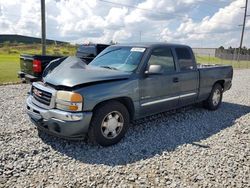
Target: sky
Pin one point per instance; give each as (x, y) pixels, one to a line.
(198, 23)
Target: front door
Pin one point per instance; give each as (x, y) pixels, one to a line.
(160, 92)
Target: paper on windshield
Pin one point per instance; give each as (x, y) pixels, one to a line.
(137, 49)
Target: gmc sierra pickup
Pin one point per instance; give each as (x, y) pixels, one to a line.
(124, 82)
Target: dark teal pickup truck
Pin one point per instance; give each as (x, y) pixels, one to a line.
(123, 83)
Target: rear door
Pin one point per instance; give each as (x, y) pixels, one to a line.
(188, 75)
(160, 92)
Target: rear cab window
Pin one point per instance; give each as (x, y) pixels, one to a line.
(185, 59)
(100, 48)
(86, 51)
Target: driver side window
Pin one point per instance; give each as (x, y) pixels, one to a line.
(163, 57)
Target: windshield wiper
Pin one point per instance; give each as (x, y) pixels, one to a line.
(108, 67)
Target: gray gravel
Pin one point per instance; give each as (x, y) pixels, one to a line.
(190, 147)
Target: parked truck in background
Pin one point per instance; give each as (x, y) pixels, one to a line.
(32, 66)
(123, 83)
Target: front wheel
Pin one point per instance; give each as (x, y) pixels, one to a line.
(109, 123)
(214, 100)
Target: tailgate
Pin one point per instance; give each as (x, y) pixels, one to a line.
(26, 64)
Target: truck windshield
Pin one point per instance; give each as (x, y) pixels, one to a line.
(119, 58)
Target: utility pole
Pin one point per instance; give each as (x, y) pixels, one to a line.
(140, 36)
(43, 29)
(243, 28)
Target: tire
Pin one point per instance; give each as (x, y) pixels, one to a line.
(109, 123)
(214, 100)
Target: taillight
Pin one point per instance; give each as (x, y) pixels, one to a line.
(37, 66)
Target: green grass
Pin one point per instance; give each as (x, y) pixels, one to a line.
(36, 49)
(215, 60)
(9, 57)
(9, 66)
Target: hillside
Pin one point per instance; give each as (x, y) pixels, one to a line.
(25, 39)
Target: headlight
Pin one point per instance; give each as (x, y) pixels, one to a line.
(69, 101)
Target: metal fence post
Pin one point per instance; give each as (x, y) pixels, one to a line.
(248, 60)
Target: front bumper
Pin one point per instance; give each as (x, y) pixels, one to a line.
(57, 122)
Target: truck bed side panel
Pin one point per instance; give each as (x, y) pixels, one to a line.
(210, 75)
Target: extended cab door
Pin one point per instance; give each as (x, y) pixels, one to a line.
(159, 92)
(188, 75)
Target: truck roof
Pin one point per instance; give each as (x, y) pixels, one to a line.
(152, 44)
(94, 44)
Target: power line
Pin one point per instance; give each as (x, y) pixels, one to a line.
(213, 5)
(158, 12)
(143, 9)
(153, 11)
(209, 4)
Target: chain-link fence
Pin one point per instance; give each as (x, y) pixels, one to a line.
(224, 58)
(228, 56)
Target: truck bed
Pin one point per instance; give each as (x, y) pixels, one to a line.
(209, 74)
(201, 66)
(27, 66)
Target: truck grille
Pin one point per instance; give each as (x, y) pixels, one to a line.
(41, 96)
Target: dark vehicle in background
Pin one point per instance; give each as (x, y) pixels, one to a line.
(123, 83)
(88, 52)
(32, 66)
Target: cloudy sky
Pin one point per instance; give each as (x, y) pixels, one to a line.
(199, 23)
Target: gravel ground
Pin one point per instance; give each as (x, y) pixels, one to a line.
(190, 147)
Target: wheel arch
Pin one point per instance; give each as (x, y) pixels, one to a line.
(126, 101)
(221, 82)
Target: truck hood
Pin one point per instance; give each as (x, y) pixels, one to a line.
(73, 71)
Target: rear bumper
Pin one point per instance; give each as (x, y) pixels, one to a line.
(27, 77)
(60, 123)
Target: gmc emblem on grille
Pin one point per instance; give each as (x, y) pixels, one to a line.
(37, 93)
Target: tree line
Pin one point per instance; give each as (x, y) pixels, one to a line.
(230, 50)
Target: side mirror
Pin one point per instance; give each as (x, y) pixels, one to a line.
(154, 70)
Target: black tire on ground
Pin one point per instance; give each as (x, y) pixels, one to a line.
(214, 100)
(109, 123)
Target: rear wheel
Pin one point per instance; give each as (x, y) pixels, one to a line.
(109, 123)
(214, 100)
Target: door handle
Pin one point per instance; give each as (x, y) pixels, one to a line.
(175, 79)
